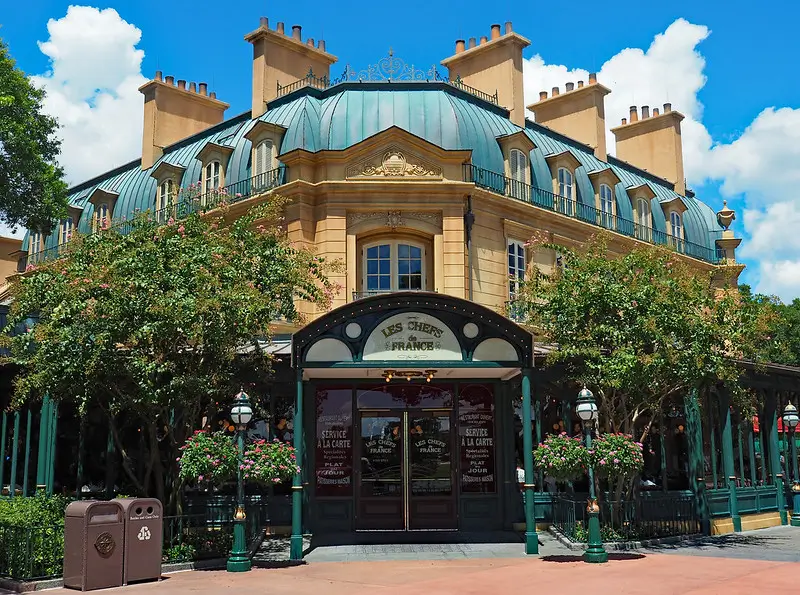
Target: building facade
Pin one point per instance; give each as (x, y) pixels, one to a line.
(407, 398)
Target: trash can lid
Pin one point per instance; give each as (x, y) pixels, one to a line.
(82, 508)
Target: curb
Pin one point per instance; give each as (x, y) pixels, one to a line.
(621, 546)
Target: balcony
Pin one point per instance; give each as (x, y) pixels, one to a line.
(500, 184)
(360, 295)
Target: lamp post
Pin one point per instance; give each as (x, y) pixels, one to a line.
(241, 414)
(586, 408)
(790, 420)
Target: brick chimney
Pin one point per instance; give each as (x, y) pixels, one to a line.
(653, 143)
(578, 113)
(172, 113)
(493, 65)
(281, 58)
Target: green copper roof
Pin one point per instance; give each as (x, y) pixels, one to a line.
(346, 114)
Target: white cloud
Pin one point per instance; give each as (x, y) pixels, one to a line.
(92, 88)
(760, 169)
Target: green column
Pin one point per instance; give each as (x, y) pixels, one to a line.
(296, 541)
(771, 417)
(751, 453)
(727, 455)
(531, 538)
(12, 490)
(694, 430)
(51, 451)
(742, 474)
(3, 451)
(44, 442)
(28, 427)
(538, 410)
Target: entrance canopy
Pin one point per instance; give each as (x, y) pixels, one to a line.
(401, 331)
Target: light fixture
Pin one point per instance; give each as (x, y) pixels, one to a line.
(389, 375)
(586, 407)
(241, 412)
(790, 417)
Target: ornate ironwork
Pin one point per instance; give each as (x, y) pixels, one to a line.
(105, 544)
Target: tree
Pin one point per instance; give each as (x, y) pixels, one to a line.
(154, 324)
(782, 345)
(32, 191)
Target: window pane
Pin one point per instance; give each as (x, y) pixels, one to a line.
(416, 252)
(402, 250)
(415, 267)
(385, 283)
(372, 282)
(372, 252)
(403, 267)
(372, 267)
(384, 251)
(416, 282)
(385, 267)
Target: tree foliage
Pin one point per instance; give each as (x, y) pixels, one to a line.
(782, 344)
(640, 328)
(32, 192)
(155, 323)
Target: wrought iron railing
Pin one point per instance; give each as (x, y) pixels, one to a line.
(31, 552)
(570, 207)
(388, 69)
(185, 206)
(360, 295)
(644, 517)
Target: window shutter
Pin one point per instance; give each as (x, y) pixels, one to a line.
(260, 150)
(514, 165)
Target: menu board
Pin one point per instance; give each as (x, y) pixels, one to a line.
(334, 451)
(476, 439)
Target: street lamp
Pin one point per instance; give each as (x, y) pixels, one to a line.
(241, 414)
(790, 420)
(586, 408)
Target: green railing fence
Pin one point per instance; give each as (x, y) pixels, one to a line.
(570, 207)
(31, 552)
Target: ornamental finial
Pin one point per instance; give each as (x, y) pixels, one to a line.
(726, 216)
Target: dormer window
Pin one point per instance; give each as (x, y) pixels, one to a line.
(212, 176)
(606, 206)
(676, 226)
(35, 244)
(164, 196)
(643, 220)
(264, 157)
(65, 230)
(102, 216)
(566, 191)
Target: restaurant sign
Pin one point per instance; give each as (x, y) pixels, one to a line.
(412, 336)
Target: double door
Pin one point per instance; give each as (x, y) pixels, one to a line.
(406, 470)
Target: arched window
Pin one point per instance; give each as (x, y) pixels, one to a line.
(565, 191)
(643, 222)
(606, 206)
(518, 162)
(264, 159)
(164, 196)
(394, 266)
(213, 174)
(102, 216)
(676, 226)
(65, 230)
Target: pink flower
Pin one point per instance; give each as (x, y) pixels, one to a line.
(200, 478)
(105, 285)
(181, 229)
(171, 221)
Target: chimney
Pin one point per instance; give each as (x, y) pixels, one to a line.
(578, 113)
(173, 113)
(542, 95)
(654, 144)
(494, 65)
(634, 114)
(282, 59)
(460, 46)
(645, 112)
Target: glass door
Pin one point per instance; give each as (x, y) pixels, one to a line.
(406, 472)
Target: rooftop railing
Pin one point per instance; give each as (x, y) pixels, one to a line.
(186, 205)
(500, 184)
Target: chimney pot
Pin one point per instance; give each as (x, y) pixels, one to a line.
(634, 114)
(193, 87)
(459, 46)
(555, 91)
(570, 86)
(472, 42)
(580, 84)
(280, 28)
(508, 27)
(624, 121)
(169, 79)
(484, 39)
(182, 84)
(264, 22)
(321, 45)
(310, 42)
(297, 32)
(213, 95)
(495, 31)
(203, 88)
(542, 95)
(667, 108)
(645, 112)
(655, 112)
(159, 75)
(592, 78)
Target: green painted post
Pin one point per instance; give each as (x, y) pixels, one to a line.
(771, 415)
(751, 451)
(12, 481)
(713, 439)
(531, 538)
(51, 451)
(742, 474)
(28, 427)
(663, 448)
(3, 451)
(694, 430)
(795, 521)
(762, 445)
(538, 425)
(44, 441)
(727, 455)
(296, 540)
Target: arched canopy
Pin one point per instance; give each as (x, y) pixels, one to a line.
(412, 330)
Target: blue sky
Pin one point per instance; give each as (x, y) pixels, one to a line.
(743, 66)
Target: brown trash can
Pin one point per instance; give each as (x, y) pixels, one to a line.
(93, 544)
(144, 534)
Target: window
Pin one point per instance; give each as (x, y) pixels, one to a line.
(394, 266)
(101, 216)
(518, 164)
(212, 174)
(65, 230)
(263, 158)
(516, 267)
(606, 206)
(164, 196)
(676, 227)
(565, 191)
(36, 243)
(643, 219)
